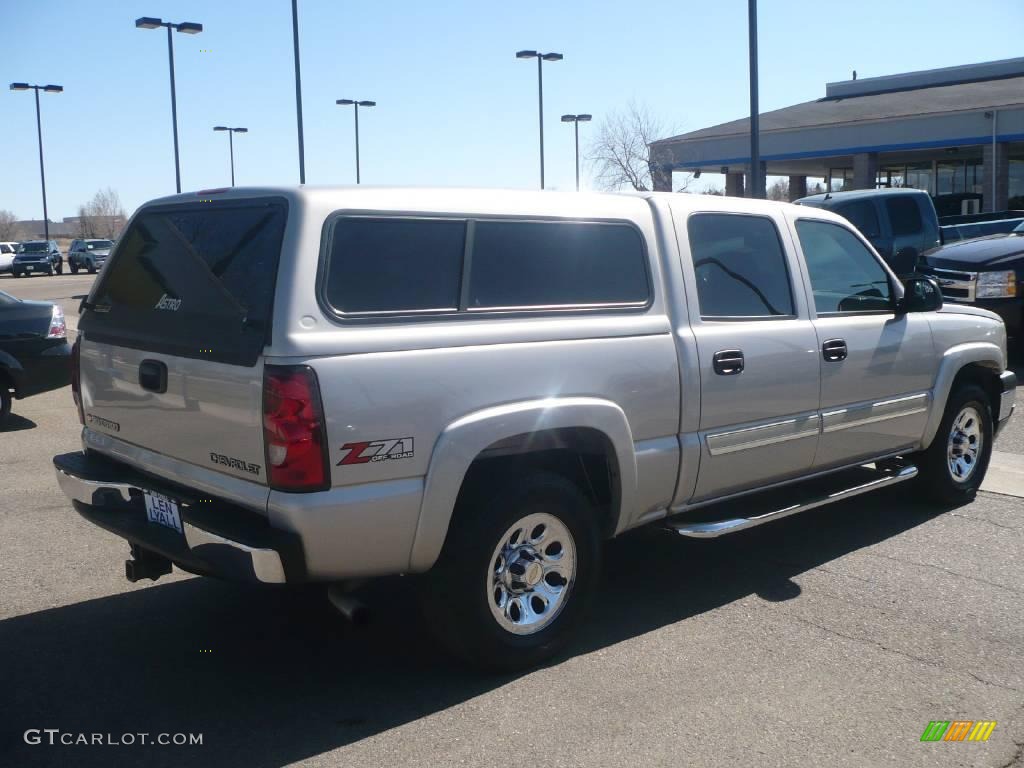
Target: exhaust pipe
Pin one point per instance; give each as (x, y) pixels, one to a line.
(145, 565)
(350, 607)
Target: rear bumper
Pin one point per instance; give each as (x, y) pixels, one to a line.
(1008, 380)
(219, 539)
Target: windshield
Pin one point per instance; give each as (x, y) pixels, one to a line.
(5, 248)
(101, 245)
(40, 247)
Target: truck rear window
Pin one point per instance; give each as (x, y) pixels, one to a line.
(192, 281)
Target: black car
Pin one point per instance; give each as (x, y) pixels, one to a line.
(987, 272)
(38, 257)
(34, 351)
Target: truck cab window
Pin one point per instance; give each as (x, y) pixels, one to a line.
(845, 276)
(740, 266)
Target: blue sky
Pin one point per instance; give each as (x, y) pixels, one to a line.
(454, 105)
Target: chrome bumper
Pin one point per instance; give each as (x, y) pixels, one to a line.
(1008, 379)
(266, 563)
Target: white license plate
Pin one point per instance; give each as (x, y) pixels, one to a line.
(163, 511)
(29, 269)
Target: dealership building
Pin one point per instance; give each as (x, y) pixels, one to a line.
(957, 132)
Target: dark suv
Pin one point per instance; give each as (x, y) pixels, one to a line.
(88, 254)
(38, 257)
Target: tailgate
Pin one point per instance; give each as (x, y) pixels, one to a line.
(174, 330)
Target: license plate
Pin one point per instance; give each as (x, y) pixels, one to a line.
(29, 269)
(163, 511)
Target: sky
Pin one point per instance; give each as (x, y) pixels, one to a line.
(455, 107)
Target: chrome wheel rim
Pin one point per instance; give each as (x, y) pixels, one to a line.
(531, 574)
(963, 449)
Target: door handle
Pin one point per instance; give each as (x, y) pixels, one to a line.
(834, 350)
(153, 376)
(728, 362)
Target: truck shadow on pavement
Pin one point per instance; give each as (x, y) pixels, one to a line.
(269, 678)
(16, 423)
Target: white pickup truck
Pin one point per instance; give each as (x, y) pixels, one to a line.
(323, 385)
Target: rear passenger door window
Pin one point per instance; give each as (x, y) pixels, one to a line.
(518, 264)
(845, 275)
(862, 215)
(740, 267)
(904, 215)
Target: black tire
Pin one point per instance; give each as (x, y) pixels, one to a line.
(936, 477)
(73, 266)
(5, 402)
(92, 269)
(455, 593)
(60, 267)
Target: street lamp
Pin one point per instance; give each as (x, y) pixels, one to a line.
(357, 105)
(231, 145)
(39, 131)
(576, 120)
(541, 58)
(756, 177)
(188, 28)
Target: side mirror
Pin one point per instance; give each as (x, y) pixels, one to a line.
(920, 294)
(904, 261)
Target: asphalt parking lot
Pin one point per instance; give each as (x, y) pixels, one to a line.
(831, 638)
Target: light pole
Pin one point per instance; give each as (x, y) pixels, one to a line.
(188, 28)
(756, 178)
(576, 120)
(357, 105)
(541, 58)
(39, 130)
(298, 91)
(231, 145)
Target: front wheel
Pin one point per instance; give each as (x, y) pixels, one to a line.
(60, 267)
(517, 571)
(953, 467)
(5, 402)
(73, 266)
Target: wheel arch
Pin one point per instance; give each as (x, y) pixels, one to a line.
(522, 435)
(11, 372)
(978, 362)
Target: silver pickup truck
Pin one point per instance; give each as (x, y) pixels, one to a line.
(324, 385)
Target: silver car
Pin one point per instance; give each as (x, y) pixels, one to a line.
(325, 385)
(88, 254)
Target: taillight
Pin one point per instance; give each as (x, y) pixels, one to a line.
(293, 429)
(58, 329)
(76, 377)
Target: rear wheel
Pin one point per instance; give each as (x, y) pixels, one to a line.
(73, 265)
(60, 267)
(5, 401)
(516, 574)
(953, 467)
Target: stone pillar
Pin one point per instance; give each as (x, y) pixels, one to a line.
(797, 187)
(1000, 167)
(734, 184)
(865, 170)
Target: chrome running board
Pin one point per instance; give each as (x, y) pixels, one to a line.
(792, 499)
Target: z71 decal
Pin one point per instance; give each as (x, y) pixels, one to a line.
(377, 450)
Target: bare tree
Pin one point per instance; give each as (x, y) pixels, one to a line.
(103, 216)
(619, 155)
(7, 222)
(779, 190)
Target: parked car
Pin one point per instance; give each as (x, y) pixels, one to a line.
(326, 385)
(7, 251)
(38, 257)
(900, 223)
(966, 231)
(88, 254)
(34, 351)
(985, 272)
